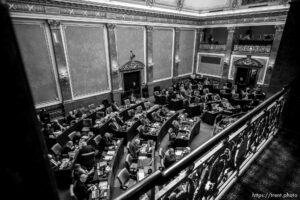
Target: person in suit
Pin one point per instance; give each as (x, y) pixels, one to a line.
(71, 116)
(68, 148)
(172, 136)
(108, 141)
(114, 125)
(85, 148)
(176, 126)
(81, 189)
(134, 148)
(44, 116)
(169, 158)
(156, 117)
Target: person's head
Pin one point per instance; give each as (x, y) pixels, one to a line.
(137, 141)
(107, 135)
(170, 130)
(171, 152)
(69, 144)
(83, 178)
(187, 150)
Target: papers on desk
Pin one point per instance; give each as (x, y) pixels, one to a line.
(141, 175)
(103, 185)
(111, 152)
(142, 157)
(178, 152)
(108, 158)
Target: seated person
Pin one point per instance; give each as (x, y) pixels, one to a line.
(132, 98)
(186, 151)
(44, 116)
(81, 189)
(68, 148)
(114, 125)
(156, 117)
(176, 126)
(49, 136)
(107, 139)
(134, 148)
(115, 106)
(169, 158)
(78, 113)
(172, 135)
(54, 161)
(57, 126)
(85, 148)
(183, 117)
(76, 138)
(217, 97)
(71, 116)
(163, 111)
(144, 119)
(78, 170)
(119, 119)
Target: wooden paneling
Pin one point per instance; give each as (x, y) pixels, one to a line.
(36, 55)
(85, 47)
(186, 51)
(162, 53)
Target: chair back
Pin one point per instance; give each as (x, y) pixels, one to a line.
(109, 110)
(88, 159)
(97, 139)
(128, 161)
(57, 148)
(127, 102)
(72, 135)
(123, 177)
(87, 122)
(161, 153)
(91, 106)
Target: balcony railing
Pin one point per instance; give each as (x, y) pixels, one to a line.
(217, 47)
(210, 169)
(253, 48)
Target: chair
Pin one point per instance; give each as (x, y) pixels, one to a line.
(72, 135)
(127, 102)
(57, 148)
(161, 155)
(88, 159)
(109, 110)
(125, 179)
(92, 107)
(139, 109)
(130, 165)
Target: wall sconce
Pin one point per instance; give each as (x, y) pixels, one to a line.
(114, 67)
(63, 74)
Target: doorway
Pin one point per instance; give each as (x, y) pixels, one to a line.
(246, 76)
(132, 83)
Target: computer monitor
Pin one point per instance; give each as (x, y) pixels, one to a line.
(87, 122)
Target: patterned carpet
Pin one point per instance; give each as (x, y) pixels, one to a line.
(274, 175)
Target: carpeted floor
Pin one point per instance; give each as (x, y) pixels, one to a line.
(274, 175)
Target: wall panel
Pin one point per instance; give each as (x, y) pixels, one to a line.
(87, 62)
(130, 38)
(37, 57)
(186, 51)
(210, 64)
(162, 53)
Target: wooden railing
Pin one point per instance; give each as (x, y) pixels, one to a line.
(211, 168)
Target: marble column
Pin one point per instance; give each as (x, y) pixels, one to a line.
(199, 39)
(149, 59)
(176, 59)
(60, 59)
(115, 75)
(228, 52)
(273, 53)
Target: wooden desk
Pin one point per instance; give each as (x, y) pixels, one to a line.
(106, 170)
(186, 136)
(124, 112)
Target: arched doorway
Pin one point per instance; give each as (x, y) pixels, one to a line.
(247, 71)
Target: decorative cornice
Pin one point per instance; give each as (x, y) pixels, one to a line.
(110, 27)
(279, 27)
(104, 12)
(54, 23)
(248, 62)
(150, 2)
(149, 28)
(179, 4)
(132, 65)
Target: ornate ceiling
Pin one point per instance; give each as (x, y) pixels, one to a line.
(193, 6)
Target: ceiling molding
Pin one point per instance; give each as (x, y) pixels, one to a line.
(277, 14)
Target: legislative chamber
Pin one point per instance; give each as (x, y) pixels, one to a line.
(152, 99)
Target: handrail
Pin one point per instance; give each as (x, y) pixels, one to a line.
(159, 177)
